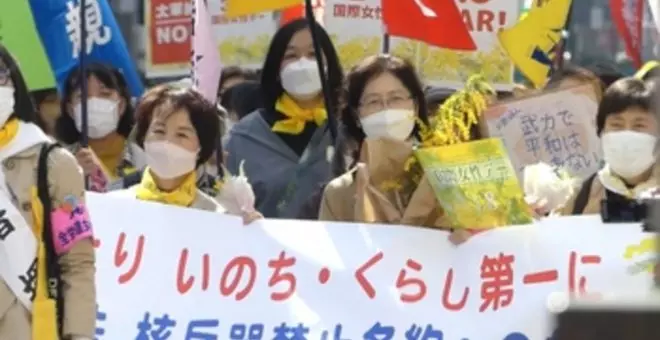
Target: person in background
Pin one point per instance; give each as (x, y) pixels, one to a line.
(286, 147)
(241, 100)
(29, 314)
(110, 120)
(48, 104)
(178, 130)
(570, 76)
(232, 75)
(629, 132)
(435, 97)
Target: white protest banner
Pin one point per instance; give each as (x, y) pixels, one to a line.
(172, 273)
(558, 128)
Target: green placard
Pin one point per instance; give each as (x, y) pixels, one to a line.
(19, 34)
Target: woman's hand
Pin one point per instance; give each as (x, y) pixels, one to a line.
(538, 210)
(87, 160)
(250, 217)
(459, 236)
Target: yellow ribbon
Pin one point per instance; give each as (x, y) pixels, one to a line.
(183, 196)
(297, 117)
(8, 132)
(44, 309)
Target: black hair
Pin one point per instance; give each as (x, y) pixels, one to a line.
(110, 77)
(435, 97)
(271, 85)
(570, 71)
(41, 95)
(24, 107)
(358, 78)
(624, 94)
(243, 98)
(606, 72)
(234, 71)
(203, 115)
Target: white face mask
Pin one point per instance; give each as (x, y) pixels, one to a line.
(102, 117)
(7, 102)
(628, 153)
(301, 79)
(168, 160)
(395, 124)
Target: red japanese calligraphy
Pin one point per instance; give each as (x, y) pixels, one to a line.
(362, 281)
(497, 284)
(402, 281)
(353, 11)
(368, 12)
(184, 285)
(121, 255)
(575, 285)
(279, 264)
(446, 294)
(339, 10)
(541, 277)
(241, 264)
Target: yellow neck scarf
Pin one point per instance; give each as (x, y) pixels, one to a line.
(8, 132)
(183, 196)
(110, 152)
(297, 117)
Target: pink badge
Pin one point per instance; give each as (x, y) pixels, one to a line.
(71, 224)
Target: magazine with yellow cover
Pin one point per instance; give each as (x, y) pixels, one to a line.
(475, 184)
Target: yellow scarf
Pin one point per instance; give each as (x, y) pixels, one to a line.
(8, 132)
(183, 196)
(110, 152)
(297, 117)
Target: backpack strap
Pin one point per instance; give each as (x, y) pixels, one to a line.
(583, 196)
(52, 264)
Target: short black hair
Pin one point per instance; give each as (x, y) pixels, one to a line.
(110, 77)
(435, 97)
(203, 115)
(606, 72)
(368, 69)
(41, 95)
(24, 107)
(271, 85)
(243, 98)
(234, 71)
(624, 94)
(570, 71)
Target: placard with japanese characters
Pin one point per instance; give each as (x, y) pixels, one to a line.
(558, 128)
(166, 272)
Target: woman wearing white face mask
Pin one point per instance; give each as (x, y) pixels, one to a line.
(110, 157)
(285, 146)
(179, 130)
(629, 132)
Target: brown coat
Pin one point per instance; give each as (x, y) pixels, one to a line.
(78, 265)
(341, 204)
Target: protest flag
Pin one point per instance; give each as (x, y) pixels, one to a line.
(236, 8)
(292, 13)
(439, 24)
(628, 17)
(206, 67)
(58, 24)
(530, 42)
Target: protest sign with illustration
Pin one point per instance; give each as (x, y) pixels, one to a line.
(475, 184)
(194, 274)
(241, 41)
(357, 31)
(557, 128)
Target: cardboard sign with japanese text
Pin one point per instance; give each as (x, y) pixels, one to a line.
(557, 128)
(201, 275)
(475, 184)
(357, 31)
(241, 41)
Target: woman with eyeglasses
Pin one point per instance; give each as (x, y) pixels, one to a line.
(285, 147)
(110, 157)
(28, 308)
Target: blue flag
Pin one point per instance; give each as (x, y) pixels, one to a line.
(59, 28)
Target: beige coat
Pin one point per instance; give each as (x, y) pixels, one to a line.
(202, 201)
(597, 194)
(78, 265)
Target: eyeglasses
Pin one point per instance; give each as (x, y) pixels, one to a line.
(5, 76)
(377, 104)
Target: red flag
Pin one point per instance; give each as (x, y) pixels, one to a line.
(435, 22)
(628, 18)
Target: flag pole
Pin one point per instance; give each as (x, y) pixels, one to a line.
(329, 104)
(386, 43)
(84, 140)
